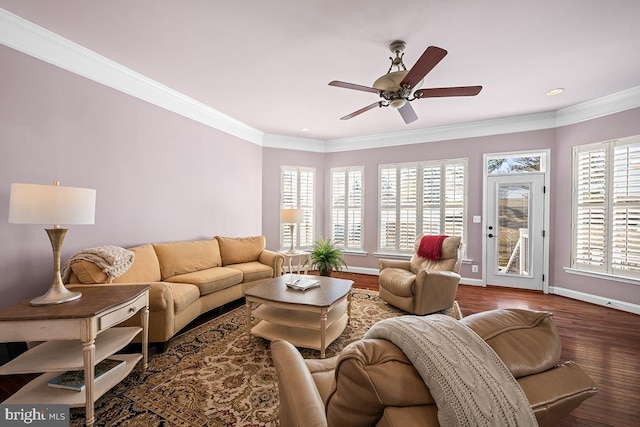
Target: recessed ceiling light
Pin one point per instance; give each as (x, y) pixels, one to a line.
(555, 91)
(305, 129)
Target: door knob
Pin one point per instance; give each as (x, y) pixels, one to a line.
(490, 235)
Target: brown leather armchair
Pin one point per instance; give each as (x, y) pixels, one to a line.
(422, 286)
(372, 383)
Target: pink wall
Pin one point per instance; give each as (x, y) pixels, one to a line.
(560, 142)
(606, 128)
(273, 159)
(159, 176)
(471, 148)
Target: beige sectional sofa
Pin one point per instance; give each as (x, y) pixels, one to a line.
(188, 278)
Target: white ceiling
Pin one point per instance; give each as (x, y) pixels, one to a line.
(268, 63)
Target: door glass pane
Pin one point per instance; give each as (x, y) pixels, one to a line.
(513, 229)
(515, 164)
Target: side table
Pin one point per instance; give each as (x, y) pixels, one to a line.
(77, 335)
(302, 267)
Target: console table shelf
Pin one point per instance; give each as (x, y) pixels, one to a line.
(76, 335)
(39, 391)
(60, 356)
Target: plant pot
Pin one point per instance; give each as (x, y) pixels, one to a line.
(325, 272)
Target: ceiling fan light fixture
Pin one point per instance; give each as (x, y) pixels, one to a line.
(390, 82)
(397, 103)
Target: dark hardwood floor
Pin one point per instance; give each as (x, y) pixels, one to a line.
(605, 343)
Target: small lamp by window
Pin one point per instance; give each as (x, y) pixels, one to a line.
(52, 204)
(291, 217)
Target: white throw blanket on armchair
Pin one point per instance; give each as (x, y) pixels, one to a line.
(113, 260)
(469, 383)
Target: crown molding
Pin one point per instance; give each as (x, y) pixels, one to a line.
(31, 39)
(600, 107)
(293, 143)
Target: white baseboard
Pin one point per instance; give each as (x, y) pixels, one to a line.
(595, 299)
(363, 270)
(472, 282)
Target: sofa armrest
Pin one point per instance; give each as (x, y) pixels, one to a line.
(160, 293)
(300, 401)
(274, 260)
(394, 263)
(434, 291)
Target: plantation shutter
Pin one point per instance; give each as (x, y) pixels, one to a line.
(454, 199)
(590, 234)
(347, 206)
(408, 204)
(387, 212)
(355, 208)
(426, 197)
(307, 190)
(625, 233)
(607, 207)
(297, 189)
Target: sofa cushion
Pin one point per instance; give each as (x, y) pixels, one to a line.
(210, 280)
(184, 294)
(145, 267)
(88, 273)
(237, 250)
(252, 271)
(186, 257)
(527, 341)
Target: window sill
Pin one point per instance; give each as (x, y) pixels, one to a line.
(604, 276)
(355, 252)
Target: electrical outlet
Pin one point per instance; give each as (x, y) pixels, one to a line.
(474, 268)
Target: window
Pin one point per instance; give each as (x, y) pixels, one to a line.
(347, 207)
(606, 207)
(297, 187)
(424, 197)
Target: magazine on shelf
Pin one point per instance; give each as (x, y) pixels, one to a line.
(74, 380)
(302, 284)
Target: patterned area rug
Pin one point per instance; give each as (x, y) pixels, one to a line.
(216, 375)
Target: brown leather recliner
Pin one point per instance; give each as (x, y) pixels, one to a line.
(372, 383)
(422, 286)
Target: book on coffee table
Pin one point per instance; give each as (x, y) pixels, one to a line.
(303, 284)
(74, 380)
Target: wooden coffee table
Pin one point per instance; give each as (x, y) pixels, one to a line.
(311, 319)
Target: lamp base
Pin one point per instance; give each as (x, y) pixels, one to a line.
(56, 295)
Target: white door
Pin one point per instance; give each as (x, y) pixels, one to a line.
(515, 231)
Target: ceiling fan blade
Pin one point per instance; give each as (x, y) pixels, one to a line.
(354, 86)
(408, 113)
(362, 110)
(447, 91)
(429, 59)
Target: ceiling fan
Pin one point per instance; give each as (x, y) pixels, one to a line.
(398, 88)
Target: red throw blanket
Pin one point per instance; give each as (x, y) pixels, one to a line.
(431, 247)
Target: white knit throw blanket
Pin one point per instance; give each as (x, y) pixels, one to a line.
(469, 383)
(113, 260)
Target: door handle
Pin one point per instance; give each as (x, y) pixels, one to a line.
(490, 235)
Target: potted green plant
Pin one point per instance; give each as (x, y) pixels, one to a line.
(326, 257)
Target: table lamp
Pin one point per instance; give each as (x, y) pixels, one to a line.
(52, 204)
(291, 217)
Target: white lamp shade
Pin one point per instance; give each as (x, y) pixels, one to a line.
(291, 216)
(51, 204)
